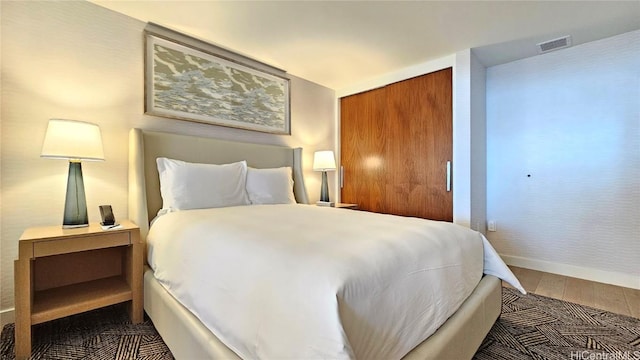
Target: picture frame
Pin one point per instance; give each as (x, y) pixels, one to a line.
(190, 83)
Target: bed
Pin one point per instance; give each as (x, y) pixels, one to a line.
(190, 335)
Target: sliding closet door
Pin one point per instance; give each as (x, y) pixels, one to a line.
(395, 145)
(362, 149)
(419, 119)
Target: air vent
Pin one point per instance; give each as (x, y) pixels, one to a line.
(555, 44)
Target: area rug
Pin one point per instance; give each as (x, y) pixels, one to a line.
(103, 334)
(537, 327)
(530, 327)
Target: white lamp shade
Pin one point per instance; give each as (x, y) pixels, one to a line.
(74, 140)
(324, 160)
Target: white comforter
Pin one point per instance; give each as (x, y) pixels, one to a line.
(306, 282)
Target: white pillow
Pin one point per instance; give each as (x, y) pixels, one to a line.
(270, 186)
(185, 185)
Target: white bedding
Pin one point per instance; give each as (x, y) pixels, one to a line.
(300, 281)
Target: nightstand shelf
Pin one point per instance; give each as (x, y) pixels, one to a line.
(68, 300)
(62, 272)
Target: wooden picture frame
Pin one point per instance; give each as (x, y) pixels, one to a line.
(190, 83)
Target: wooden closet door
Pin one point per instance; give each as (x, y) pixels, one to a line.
(419, 119)
(362, 149)
(395, 144)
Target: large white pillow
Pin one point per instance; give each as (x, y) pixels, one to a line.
(270, 186)
(185, 185)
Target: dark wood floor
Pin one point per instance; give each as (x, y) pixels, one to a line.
(617, 299)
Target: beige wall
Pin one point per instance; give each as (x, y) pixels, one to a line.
(77, 60)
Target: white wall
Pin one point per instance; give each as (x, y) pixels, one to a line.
(461, 163)
(478, 156)
(571, 120)
(469, 142)
(80, 61)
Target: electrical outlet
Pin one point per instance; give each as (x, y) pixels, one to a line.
(492, 225)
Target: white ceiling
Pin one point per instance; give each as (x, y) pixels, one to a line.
(341, 43)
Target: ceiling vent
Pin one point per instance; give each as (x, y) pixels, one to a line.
(555, 44)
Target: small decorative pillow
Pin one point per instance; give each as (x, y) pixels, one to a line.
(270, 186)
(185, 185)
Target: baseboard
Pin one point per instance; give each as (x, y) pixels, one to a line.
(7, 316)
(607, 277)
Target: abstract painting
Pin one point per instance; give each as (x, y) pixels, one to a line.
(189, 84)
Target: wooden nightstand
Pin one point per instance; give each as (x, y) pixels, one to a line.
(61, 272)
(346, 206)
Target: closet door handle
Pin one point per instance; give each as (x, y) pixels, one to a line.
(341, 177)
(448, 176)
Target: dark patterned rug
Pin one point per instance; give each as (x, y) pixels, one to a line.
(104, 334)
(530, 327)
(537, 327)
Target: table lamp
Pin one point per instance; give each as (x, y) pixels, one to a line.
(74, 141)
(324, 161)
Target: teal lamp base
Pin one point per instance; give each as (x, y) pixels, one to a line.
(324, 190)
(75, 206)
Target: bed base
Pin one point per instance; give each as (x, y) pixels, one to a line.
(458, 338)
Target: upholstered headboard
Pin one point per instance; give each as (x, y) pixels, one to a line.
(146, 146)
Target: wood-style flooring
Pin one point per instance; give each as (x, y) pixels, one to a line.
(616, 299)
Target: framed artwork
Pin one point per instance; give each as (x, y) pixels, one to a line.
(187, 83)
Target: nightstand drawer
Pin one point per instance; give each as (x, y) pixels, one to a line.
(54, 247)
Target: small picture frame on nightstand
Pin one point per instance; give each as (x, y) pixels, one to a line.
(106, 213)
